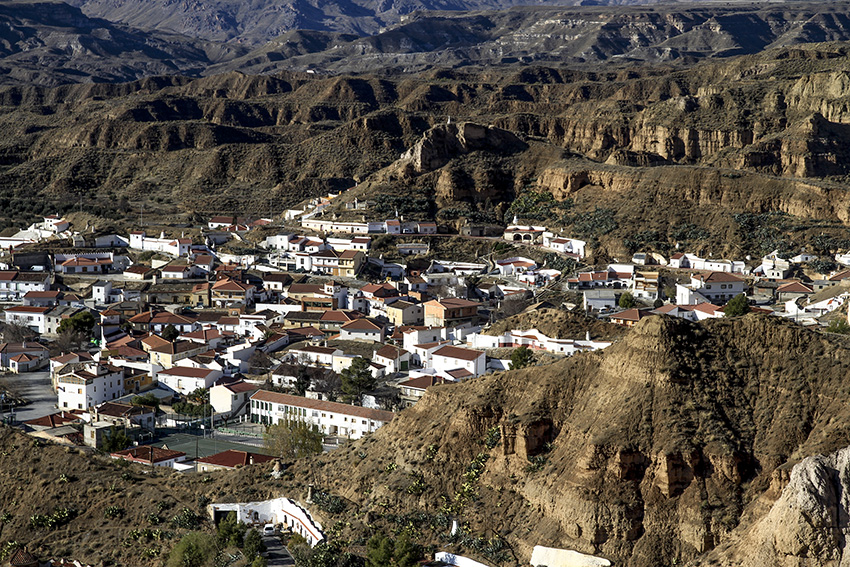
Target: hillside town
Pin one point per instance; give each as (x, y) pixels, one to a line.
(259, 339)
(140, 339)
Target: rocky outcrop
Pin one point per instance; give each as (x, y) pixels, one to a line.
(806, 525)
(443, 143)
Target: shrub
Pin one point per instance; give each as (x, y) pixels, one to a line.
(113, 512)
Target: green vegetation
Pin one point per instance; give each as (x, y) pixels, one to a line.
(737, 306)
(823, 265)
(357, 379)
(194, 549)
(116, 440)
(594, 224)
(627, 301)
(493, 438)
(57, 518)
(840, 326)
(186, 519)
(292, 440)
(170, 333)
(765, 232)
(230, 531)
(80, 324)
(330, 503)
(535, 206)
(382, 551)
(253, 545)
(521, 357)
(145, 400)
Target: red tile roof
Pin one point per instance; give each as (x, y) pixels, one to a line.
(148, 454)
(423, 382)
(458, 353)
(232, 459)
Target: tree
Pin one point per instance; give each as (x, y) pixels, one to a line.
(357, 379)
(145, 400)
(259, 363)
(379, 551)
(253, 545)
(195, 549)
(67, 341)
(627, 301)
(170, 333)
(822, 265)
(292, 440)
(840, 326)
(231, 532)
(406, 553)
(115, 440)
(17, 333)
(521, 357)
(82, 324)
(658, 303)
(302, 379)
(737, 306)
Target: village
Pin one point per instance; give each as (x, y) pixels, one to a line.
(174, 351)
(258, 339)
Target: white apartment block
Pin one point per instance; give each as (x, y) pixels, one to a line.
(330, 418)
(88, 384)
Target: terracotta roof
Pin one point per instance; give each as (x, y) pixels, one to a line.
(175, 347)
(707, 308)
(665, 309)
(363, 324)
(232, 459)
(42, 294)
(241, 386)
(323, 405)
(148, 454)
(794, 287)
(633, 314)
(306, 331)
(22, 557)
(390, 351)
(838, 276)
(114, 409)
(460, 373)
(138, 269)
(720, 277)
(316, 350)
(23, 357)
(458, 353)
(422, 382)
(187, 372)
(27, 309)
(66, 358)
(339, 315)
(54, 419)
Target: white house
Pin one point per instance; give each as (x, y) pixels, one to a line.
(185, 380)
(30, 316)
(330, 418)
(714, 287)
(569, 246)
(393, 358)
(173, 246)
(87, 384)
(315, 355)
(278, 511)
(448, 360)
(232, 399)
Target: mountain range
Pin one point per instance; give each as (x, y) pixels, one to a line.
(53, 43)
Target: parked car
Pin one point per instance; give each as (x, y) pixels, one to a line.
(269, 529)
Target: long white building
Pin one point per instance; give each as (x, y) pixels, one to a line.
(330, 418)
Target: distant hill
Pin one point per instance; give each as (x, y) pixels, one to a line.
(52, 43)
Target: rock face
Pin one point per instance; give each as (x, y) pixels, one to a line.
(650, 452)
(442, 143)
(806, 525)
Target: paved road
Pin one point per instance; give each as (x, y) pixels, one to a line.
(276, 554)
(32, 386)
